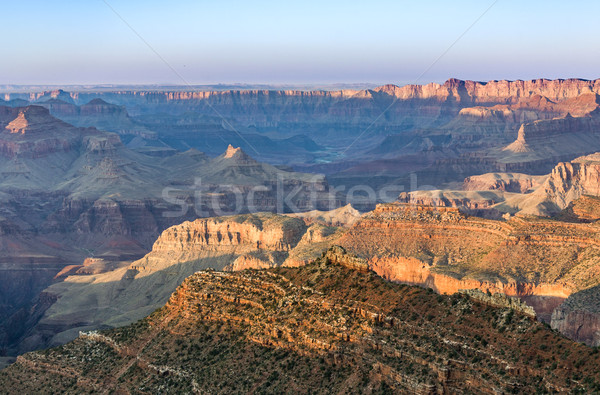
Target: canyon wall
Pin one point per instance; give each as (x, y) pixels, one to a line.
(540, 262)
(85, 300)
(567, 182)
(578, 317)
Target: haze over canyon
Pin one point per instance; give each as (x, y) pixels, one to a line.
(436, 238)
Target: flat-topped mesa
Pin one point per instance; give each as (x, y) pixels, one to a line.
(552, 134)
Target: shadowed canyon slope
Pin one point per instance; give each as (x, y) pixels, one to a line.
(98, 300)
(540, 261)
(71, 193)
(321, 326)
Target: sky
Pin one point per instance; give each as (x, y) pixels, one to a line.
(274, 42)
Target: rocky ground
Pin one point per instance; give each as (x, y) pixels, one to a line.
(324, 327)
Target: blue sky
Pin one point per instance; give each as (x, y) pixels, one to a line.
(226, 41)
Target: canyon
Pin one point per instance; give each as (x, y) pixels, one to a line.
(88, 300)
(443, 133)
(543, 263)
(330, 325)
(109, 199)
(69, 194)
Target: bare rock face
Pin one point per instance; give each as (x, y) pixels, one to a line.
(578, 317)
(85, 299)
(500, 300)
(542, 262)
(466, 200)
(556, 137)
(584, 209)
(344, 216)
(507, 182)
(33, 133)
(339, 256)
(223, 236)
(567, 182)
(533, 108)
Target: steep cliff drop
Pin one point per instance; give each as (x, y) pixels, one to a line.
(121, 296)
(541, 262)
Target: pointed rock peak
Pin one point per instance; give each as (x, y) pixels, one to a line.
(232, 152)
(98, 102)
(453, 83)
(390, 89)
(568, 116)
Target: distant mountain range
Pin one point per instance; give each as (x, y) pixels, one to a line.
(376, 136)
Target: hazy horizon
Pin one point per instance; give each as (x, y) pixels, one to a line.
(231, 42)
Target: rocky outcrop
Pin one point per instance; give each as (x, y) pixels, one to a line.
(224, 236)
(86, 297)
(500, 300)
(533, 108)
(34, 133)
(507, 182)
(467, 201)
(344, 216)
(583, 209)
(578, 317)
(559, 136)
(320, 326)
(339, 256)
(542, 262)
(567, 182)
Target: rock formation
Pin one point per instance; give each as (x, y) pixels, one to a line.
(579, 317)
(567, 182)
(86, 301)
(443, 132)
(344, 216)
(70, 193)
(507, 182)
(320, 326)
(541, 262)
